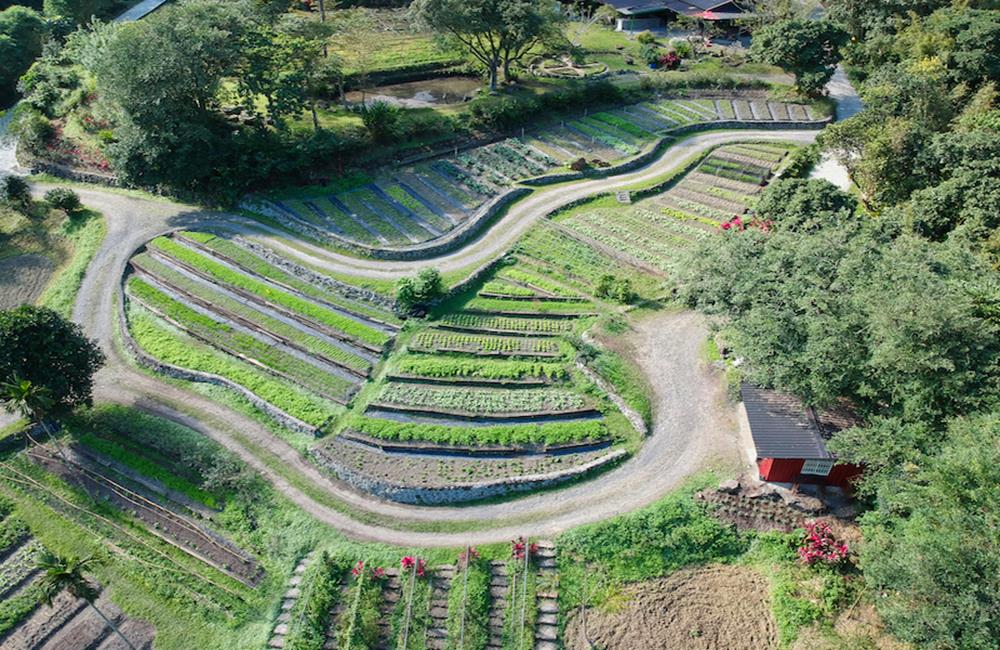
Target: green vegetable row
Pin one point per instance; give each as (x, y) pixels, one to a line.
(549, 433)
(225, 275)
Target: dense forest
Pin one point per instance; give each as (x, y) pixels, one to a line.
(890, 300)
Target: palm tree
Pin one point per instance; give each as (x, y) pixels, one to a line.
(67, 573)
(29, 400)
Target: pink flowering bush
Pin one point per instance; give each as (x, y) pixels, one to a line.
(820, 545)
(737, 224)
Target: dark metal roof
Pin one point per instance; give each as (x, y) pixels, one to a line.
(686, 7)
(636, 7)
(783, 427)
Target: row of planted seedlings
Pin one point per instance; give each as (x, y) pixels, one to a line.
(495, 367)
(209, 304)
(355, 604)
(424, 201)
(725, 185)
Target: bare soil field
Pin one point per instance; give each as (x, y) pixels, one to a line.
(703, 608)
(22, 279)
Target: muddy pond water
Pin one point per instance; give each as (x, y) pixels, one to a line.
(441, 91)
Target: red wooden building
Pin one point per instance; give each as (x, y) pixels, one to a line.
(790, 438)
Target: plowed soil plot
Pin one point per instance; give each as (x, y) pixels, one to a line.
(22, 279)
(159, 520)
(707, 608)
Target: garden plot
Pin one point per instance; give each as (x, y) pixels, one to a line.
(488, 345)
(445, 470)
(724, 184)
(300, 342)
(447, 369)
(422, 202)
(701, 608)
(159, 517)
(28, 622)
(469, 402)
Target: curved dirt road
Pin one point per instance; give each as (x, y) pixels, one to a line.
(692, 424)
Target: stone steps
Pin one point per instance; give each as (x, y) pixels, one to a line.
(288, 601)
(547, 623)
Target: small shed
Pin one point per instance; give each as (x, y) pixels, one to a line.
(790, 438)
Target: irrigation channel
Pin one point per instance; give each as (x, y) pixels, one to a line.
(686, 413)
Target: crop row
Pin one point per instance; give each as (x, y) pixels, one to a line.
(548, 433)
(497, 288)
(242, 345)
(626, 241)
(508, 324)
(567, 257)
(482, 401)
(441, 367)
(537, 281)
(529, 307)
(358, 626)
(227, 307)
(17, 567)
(713, 168)
(243, 258)
(171, 346)
(443, 341)
(469, 606)
(269, 293)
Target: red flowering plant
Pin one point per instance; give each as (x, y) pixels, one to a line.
(670, 61)
(409, 562)
(465, 557)
(821, 546)
(358, 569)
(518, 547)
(379, 573)
(737, 224)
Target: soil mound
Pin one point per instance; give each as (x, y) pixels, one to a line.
(704, 608)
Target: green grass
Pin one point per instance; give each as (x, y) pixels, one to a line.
(358, 625)
(521, 611)
(627, 380)
(420, 619)
(84, 234)
(550, 433)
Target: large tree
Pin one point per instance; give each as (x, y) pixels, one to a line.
(932, 550)
(808, 49)
(39, 346)
(22, 31)
(496, 33)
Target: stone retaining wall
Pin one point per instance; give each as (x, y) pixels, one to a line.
(459, 493)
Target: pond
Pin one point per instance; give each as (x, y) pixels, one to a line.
(421, 94)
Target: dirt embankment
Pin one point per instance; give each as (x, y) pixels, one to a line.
(704, 608)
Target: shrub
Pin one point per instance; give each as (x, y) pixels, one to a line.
(802, 161)
(651, 54)
(63, 198)
(617, 289)
(381, 119)
(15, 192)
(412, 293)
(820, 545)
(32, 128)
(646, 38)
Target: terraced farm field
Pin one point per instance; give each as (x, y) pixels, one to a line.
(422, 202)
(206, 304)
(651, 233)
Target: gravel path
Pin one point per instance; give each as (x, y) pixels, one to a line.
(692, 424)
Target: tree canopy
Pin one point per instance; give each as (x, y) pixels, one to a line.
(808, 49)
(38, 345)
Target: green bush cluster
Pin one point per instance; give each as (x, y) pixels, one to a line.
(506, 112)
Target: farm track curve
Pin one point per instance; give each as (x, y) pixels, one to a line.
(693, 426)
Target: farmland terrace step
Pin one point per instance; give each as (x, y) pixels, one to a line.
(469, 415)
(546, 632)
(85, 630)
(499, 451)
(546, 645)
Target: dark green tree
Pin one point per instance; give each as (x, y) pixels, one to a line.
(808, 49)
(39, 346)
(22, 32)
